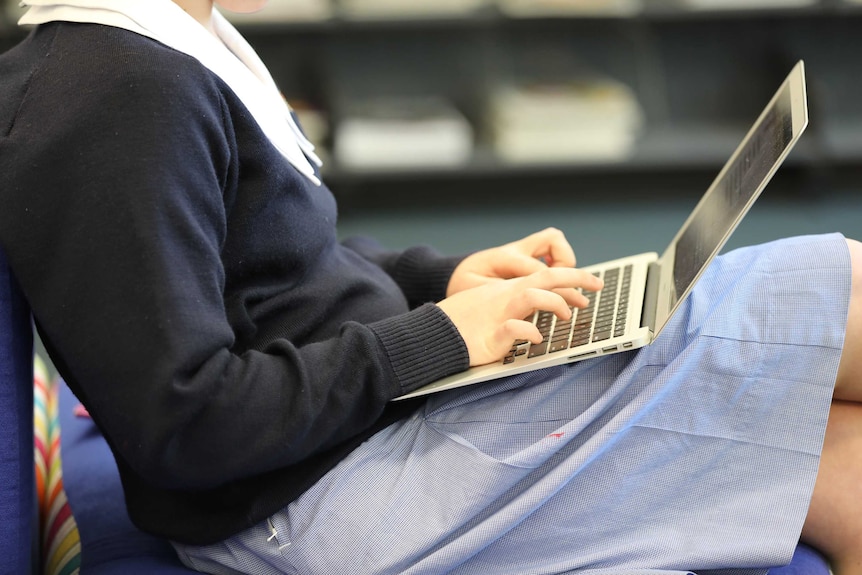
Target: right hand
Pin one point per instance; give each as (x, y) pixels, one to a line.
(490, 317)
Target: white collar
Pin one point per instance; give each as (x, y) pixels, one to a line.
(232, 59)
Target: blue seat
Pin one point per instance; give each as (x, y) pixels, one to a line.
(17, 475)
(110, 543)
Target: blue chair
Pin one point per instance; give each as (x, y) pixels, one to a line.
(18, 512)
(111, 545)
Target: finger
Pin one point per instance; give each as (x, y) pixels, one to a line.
(532, 299)
(515, 329)
(561, 252)
(573, 297)
(555, 278)
(552, 245)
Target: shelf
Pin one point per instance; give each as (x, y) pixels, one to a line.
(699, 75)
(492, 15)
(673, 10)
(689, 148)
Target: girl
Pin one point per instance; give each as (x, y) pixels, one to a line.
(166, 219)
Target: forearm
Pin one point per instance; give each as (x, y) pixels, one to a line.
(421, 272)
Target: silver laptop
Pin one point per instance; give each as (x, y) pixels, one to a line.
(642, 292)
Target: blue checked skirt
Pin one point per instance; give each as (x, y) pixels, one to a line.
(695, 454)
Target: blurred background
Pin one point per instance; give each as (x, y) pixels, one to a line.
(469, 123)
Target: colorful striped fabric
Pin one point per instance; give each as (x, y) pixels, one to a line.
(61, 542)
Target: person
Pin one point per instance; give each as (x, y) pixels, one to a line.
(166, 220)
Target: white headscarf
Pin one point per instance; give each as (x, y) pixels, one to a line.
(228, 56)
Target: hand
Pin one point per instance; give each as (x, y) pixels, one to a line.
(512, 260)
(491, 316)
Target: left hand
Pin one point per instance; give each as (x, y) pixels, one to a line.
(516, 259)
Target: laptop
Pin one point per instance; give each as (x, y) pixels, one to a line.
(642, 292)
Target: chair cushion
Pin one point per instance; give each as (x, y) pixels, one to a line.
(806, 561)
(61, 542)
(111, 544)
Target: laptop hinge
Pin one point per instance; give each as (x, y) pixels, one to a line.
(651, 296)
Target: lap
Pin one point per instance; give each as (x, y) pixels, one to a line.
(697, 452)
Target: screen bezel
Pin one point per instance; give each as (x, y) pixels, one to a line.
(794, 86)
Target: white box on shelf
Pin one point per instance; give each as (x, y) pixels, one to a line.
(596, 120)
(562, 8)
(403, 133)
(748, 4)
(395, 9)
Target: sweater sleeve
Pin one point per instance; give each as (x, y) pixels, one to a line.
(421, 272)
(116, 242)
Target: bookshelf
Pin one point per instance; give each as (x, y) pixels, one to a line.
(699, 74)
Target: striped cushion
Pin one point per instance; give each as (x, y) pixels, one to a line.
(61, 542)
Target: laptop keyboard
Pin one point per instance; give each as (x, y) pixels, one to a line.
(603, 318)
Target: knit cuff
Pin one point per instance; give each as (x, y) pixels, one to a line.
(423, 274)
(422, 346)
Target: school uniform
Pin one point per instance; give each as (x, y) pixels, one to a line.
(179, 252)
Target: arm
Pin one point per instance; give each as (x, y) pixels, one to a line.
(421, 272)
(118, 241)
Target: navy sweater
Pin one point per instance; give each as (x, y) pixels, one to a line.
(189, 285)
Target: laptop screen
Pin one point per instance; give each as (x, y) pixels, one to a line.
(733, 191)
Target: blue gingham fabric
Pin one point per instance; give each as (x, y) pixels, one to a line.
(695, 454)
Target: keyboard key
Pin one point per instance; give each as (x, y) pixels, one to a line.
(602, 335)
(538, 349)
(558, 345)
